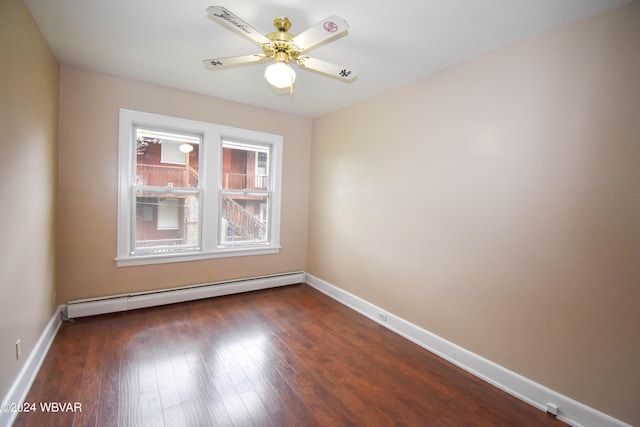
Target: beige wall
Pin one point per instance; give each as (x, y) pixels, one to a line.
(28, 135)
(497, 204)
(89, 108)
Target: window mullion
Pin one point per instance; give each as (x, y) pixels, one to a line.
(210, 176)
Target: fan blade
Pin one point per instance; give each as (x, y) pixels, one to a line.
(230, 61)
(223, 16)
(320, 33)
(324, 67)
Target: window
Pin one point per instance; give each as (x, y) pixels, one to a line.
(245, 187)
(192, 190)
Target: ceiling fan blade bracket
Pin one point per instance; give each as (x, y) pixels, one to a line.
(268, 49)
(301, 60)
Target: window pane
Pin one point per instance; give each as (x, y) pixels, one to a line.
(171, 153)
(166, 222)
(245, 166)
(166, 159)
(168, 214)
(244, 218)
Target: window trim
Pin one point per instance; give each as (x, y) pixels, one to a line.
(213, 136)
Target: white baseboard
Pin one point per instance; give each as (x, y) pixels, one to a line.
(537, 395)
(18, 391)
(134, 301)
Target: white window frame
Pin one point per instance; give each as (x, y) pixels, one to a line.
(210, 178)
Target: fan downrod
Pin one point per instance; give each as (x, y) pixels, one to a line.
(282, 24)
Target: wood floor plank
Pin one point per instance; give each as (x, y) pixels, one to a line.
(288, 356)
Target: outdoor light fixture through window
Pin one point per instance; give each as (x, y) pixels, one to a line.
(280, 75)
(186, 148)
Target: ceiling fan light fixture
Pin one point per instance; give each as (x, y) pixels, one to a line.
(280, 75)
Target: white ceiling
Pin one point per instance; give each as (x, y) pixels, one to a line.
(165, 41)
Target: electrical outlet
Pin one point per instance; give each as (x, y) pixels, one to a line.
(382, 317)
(18, 349)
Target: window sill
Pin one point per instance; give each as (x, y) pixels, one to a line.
(197, 256)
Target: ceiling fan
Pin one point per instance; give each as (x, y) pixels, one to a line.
(282, 47)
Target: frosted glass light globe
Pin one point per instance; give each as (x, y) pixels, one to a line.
(280, 75)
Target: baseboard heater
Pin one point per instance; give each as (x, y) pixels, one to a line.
(112, 304)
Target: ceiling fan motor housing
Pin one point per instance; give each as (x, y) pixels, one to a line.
(280, 48)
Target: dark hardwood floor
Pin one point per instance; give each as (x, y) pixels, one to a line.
(288, 356)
